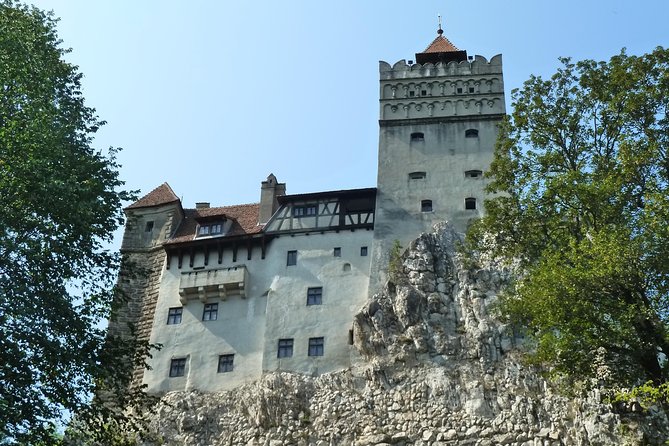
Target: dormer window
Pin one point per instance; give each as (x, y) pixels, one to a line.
(308, 210)
(208, 229)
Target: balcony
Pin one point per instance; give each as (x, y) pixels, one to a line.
(213, 283)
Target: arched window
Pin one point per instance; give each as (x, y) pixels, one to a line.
(471, 133)
(426, 206)
(417, 175)
(473, 174)
(417, 136)
(470, 203)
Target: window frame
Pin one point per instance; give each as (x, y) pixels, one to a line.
(285, 348)
(418, 175)
(209, 229)
(336, 252)
(305, 210)
(291, 258)
(426, 206)
(417, 137)
(316, 346)
(315, 295)
(225, 366)
(364, 251)
(177, 367)
(471, 133)
(468, 203)
(172, 315)
(210, 311)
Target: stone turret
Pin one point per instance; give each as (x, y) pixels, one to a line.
(270, 190)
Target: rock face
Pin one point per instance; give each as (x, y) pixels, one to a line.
(434, 368)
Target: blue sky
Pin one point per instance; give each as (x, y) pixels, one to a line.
(212, 96)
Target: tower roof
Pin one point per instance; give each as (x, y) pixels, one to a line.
(441, 50)
(162, 194)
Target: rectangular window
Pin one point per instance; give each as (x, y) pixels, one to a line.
(178, 367)
(316, 347)
(174, 315)
(291, 258)
(149, 226)
(210, 229)
(210, 312)
(315, 296)
(363, 251)
(285, 348)
(225, 363)
(337, 252)
(305, 211)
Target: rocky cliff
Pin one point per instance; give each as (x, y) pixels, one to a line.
(433, 367)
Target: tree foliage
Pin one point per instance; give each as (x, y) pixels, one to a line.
(59, 205)
(580, 200)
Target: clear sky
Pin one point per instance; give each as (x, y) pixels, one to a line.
(212, 96)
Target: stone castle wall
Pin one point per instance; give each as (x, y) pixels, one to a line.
(436, 369)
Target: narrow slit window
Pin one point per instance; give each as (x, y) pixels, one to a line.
(471, 133)
(470, 203)
(417, 136)
(149, 226)
(473, 174)
(417, 175)
(426, 206)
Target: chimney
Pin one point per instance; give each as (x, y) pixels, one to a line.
(269, 191)
(202, 205)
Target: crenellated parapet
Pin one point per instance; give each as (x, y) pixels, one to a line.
(466, 88)
(478, 65)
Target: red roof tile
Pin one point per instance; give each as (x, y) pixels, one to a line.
(244, 221)
(440, 45)
(162, 194)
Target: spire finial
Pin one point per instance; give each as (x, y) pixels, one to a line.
(439, 31)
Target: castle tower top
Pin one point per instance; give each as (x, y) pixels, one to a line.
(441, 50)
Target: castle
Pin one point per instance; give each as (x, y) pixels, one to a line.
(231, 292)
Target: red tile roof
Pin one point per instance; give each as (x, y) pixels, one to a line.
(162, 194)
(440, 45)
(244, 221)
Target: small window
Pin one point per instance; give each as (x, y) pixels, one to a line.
(315, 296)
(291, 258)
(423, 92)
(285, 348)
(337, 252)
(149, 226)
(316, 346)
(412, 93)
(426, 206)
(174, 315)
(473, 174)
(210, 312)
(471, 89)
(225, 363)
(471, 133)
(363, 251)
(417, 175)
(210, 229)
(346, 267)
(459, 90)
(177, 367)
(305, 211)
(417, 136)
(470, 203)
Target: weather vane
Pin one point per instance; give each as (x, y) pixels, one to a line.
(439, 31)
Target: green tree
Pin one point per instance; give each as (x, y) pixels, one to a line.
(59, 205)
(580, 202)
